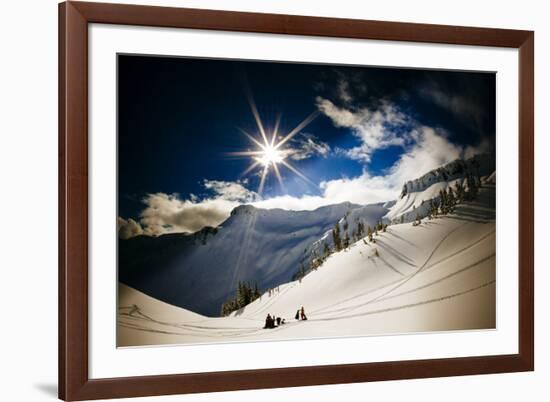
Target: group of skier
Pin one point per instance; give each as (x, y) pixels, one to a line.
(271, 321)
(300, 314)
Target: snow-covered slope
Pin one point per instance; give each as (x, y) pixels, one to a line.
(439, 275)
(201, 271)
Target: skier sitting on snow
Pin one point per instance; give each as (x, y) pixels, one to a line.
(269, 322)
(297, 316)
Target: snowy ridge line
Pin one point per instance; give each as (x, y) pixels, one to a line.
(405, 306)
(442, 279)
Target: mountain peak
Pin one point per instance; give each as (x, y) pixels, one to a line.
(244, 209)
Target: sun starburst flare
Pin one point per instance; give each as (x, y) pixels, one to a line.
(272, 150)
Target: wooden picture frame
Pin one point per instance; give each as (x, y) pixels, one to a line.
(74, 381)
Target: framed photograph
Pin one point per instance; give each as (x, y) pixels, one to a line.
(259, 200)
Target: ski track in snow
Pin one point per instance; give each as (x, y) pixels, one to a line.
(416, 289)
(404, 306)
(397, 283)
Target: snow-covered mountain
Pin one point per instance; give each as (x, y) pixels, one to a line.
(478, 165)
(416, 194)
(200, 271)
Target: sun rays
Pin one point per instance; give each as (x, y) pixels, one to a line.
(271, 150)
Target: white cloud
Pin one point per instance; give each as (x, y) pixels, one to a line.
(376, 128)
(341, 117)
(430, 151)
(128, 228)
(483, 147)
(168, 213)
(343, 91)
(305, 146)
(230, 191)
(349, 86)
(288, 202)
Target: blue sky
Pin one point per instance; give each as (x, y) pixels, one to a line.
(181, 121)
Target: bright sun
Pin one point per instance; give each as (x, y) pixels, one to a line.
(271, 152)
(270, 156)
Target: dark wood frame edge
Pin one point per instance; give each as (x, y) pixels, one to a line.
(74, 382)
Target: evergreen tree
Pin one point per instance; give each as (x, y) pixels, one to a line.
(443, 202)
(241, 294)
(431, 213)
(477, 185)
(326, 250)
(336, 237)
(301, 273)
(360, 229)
(451, 199)
(459, 192)
(244, 295)
(346, 241)
(472, 183)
